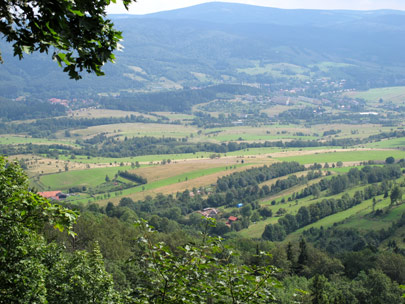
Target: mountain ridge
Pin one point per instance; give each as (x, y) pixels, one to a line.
(174, 53)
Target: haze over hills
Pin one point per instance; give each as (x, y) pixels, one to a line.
(253, 117)
(233, 13)
(217, 43)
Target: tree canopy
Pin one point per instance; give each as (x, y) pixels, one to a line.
(33, 271)
(77, 33)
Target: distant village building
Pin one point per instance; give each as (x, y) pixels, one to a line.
(209, 212)
(231, 219)
(53, 195)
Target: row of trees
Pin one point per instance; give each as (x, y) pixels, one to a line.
(34, 271)
(254, 176)
(319, 210)
(133, 177)
(48, 126)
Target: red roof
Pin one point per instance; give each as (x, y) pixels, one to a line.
(50, 194)
(232, 218)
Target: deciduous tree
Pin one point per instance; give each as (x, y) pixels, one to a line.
(76, 33)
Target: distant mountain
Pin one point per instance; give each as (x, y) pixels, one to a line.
(216, 43)
(233, 13)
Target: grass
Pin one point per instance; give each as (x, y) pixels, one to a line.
(327, 65)
(277, 70)
(176, 116)
(168, 181)
(15, 140)
(388, 143)
(88, 178)
(138, 129)
(251, 137)
(270, 150)
(106, 113)
(345, 156)
(256, 230)
(141, 159)
(356, 218)
(394, 94)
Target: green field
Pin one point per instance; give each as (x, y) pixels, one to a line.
(141, 159)
(15, 140)
(388, 143)
(354, 217)
(166, 182)
(89, 178)
(251, 137)
(345, 156)
(276, 70)
(138, 129)
(394, 94)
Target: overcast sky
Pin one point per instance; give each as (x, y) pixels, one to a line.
(151, 6)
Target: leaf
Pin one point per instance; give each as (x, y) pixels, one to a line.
(63, 57)
(51, 30)
(26, 49)
(76, 12)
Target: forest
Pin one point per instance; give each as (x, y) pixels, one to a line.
(230, 154)
(59, 253)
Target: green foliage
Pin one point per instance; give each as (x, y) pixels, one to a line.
(396, 195)
(199, 273)
(25, 209)
(77, 32)
(32, 271)
(79, 278)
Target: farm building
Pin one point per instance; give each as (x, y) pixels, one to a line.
(209, 212)
(53, 195)
(231, 219)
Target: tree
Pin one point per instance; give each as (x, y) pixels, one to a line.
(303, 256)
(32, 271)
(316, 191)
(374, 203)
(246, 210)
(320, 290)
(76, 32)
(396, 195)
(201, 273)
(390, 160)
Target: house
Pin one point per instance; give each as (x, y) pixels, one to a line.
(209, 212)
(53, 195)
(231, 219)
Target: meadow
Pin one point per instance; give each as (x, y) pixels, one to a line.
(172, 173)
(346, 156)
(394, 94)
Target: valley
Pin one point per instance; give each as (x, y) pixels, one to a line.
(232, 154)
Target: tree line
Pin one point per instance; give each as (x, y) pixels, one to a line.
(48, 126)
(133, 177)
(326, 207)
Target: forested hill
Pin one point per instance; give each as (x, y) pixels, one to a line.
(233, 13)
(218, 43)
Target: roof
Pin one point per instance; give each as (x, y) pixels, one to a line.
(232, 218)
(50, 194)
(208, 212)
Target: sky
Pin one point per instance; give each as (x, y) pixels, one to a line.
(151, 6)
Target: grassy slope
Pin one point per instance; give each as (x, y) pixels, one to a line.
(343, 156)
(355, 217)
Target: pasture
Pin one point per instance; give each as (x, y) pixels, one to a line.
(345, 156)
(138, 129)
(394, 94)
(18, 139)
(105, 113)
